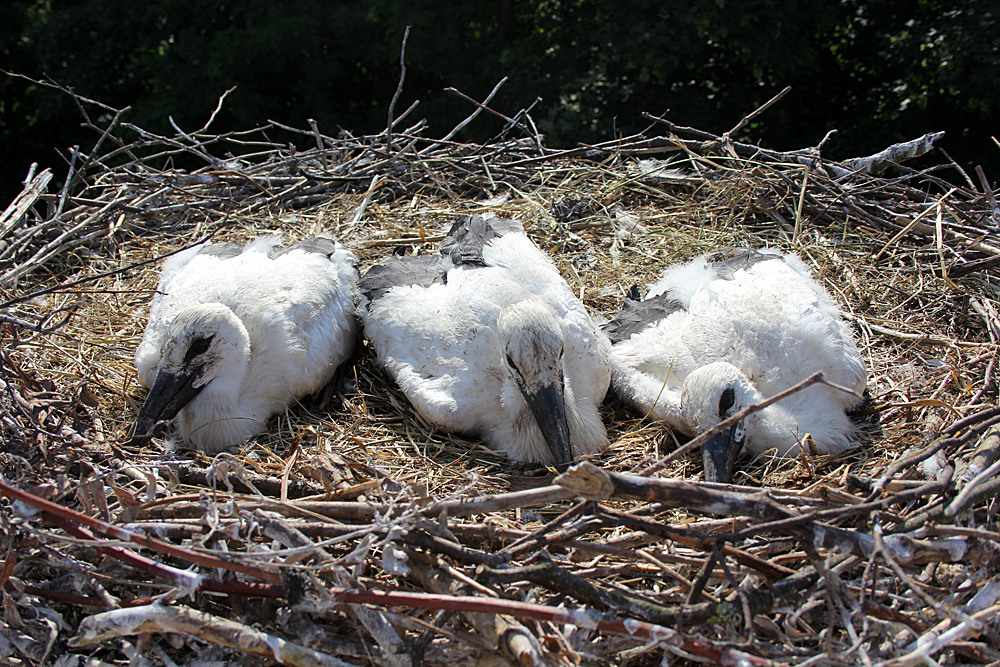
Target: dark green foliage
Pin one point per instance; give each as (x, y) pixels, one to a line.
(879, 71)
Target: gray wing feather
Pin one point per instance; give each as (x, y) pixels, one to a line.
(422, 270)
(223, 250)
(464, 242)
(321, 245)
(637, 315)
(727, 261)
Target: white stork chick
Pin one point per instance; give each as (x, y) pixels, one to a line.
(236, 333)
(727, 330)
(487, 339)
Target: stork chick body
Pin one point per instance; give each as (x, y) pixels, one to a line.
(236, 333)
(487, 339)
(727, 330)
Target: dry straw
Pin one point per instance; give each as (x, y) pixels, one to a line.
(352, 532)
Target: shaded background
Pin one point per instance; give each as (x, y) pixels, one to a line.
(878, 71)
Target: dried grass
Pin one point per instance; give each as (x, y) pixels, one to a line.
(345, 493)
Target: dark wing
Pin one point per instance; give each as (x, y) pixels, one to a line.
(637, 315)
(422, 270)
(727, 261)
(321, 245)
(223, 250)
(465, 240)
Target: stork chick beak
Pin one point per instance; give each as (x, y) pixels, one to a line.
(169, 394)
(720, 452)
(549, 408)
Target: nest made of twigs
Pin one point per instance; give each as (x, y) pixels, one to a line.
(908, 258)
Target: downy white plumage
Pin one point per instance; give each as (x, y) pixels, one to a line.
(487, 339)
(727, 330)
(236, 333)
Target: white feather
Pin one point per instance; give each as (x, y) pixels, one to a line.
(444, 347)
(771, 326)
(279, 326)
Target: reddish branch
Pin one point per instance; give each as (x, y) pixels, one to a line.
(85, 527)
(584, 619)
(66, 517)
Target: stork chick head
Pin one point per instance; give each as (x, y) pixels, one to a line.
(711, 394)
(204, 344)
(532, 345)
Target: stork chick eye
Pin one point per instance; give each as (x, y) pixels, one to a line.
(198, 346)
(726, 401)
(518, 376)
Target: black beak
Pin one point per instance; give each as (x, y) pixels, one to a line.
(720, 452)
(170, 393)
(549, 408)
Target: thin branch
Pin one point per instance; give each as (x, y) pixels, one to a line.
(761, 109)
(479, 108)
(399, 89)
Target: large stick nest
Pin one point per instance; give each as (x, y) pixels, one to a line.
(351, 531)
